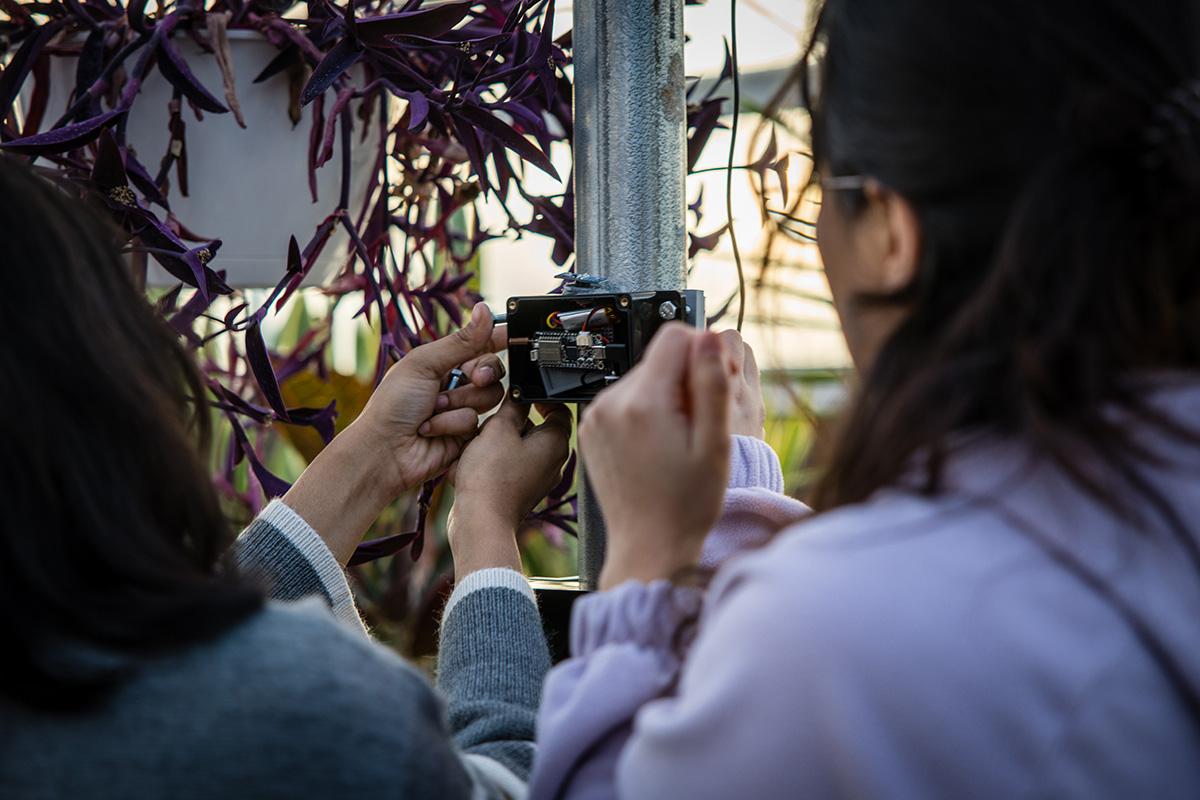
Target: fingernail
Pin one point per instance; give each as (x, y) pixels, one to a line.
(442, 402)
(711, 344)
(486, 375)
(424, 429)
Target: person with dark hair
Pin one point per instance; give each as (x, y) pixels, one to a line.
(137, 663)
(998, 592)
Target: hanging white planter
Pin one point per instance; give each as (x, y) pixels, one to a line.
(247, 187)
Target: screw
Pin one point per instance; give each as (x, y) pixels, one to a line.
(516, 393)
(623, 301)
(668, 310)
(512, 305)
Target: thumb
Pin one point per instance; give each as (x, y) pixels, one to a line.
(435, 359)
(708, 389)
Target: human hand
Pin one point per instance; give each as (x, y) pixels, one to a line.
(409, 431)
(656, 450)
(747, 415)
(502, 475)
(416, 429)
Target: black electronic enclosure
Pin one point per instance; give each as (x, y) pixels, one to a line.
(566, 348)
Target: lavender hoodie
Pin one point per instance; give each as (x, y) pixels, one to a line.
(908, 646)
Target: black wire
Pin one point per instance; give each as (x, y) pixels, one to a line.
(737, 102)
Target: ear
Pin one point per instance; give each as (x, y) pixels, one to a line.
(894, 238)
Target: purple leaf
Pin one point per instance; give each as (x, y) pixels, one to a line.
(504, 172)
(166, 304)
(264, 373)
(189, 266)
(108, 171)
(287, 57)
(722, 311)
(232, 313)
(429, 22)
(135, 12)
(196, 263)
(531, 120)
(509, 137)
(696, 207)
(470, 140)
(63, 139)
(183, 319)
(542, 61)
(340, 58)
(39, 97)
(273, 485)
(140, 178)
(18, 68)
(704, 119)
(176, 70)
(294, 265)
(375, 549)
(349, 21)
(91, 61)
(319, 419)
(705, 243)
(567, 481)
(781, 169)
(418, 109)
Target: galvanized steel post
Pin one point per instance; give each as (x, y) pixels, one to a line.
(630, 165)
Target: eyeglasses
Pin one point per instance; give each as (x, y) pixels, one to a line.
(845, 183)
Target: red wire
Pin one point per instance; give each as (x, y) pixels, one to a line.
(587, 320)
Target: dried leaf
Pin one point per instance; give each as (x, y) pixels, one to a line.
(328, 135)
(217, 29)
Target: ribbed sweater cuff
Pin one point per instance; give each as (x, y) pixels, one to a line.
(753, 465)
(494, 578)
(273, 555)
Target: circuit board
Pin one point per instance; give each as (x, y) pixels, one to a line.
(568, 350)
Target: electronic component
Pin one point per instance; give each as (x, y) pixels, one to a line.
(569, 350)
(566, 348)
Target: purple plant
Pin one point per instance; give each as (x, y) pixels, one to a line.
(485, 97)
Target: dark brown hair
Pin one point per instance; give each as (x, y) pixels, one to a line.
(111, 530)
(1052, 154)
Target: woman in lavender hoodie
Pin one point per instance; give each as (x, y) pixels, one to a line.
(998, 594)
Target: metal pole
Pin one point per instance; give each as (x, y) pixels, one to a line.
(630, 164)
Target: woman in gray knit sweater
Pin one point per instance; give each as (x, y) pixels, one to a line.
(135, 665)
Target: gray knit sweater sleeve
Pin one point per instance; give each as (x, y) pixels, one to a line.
(493, 655)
